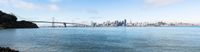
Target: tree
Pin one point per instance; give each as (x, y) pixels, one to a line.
(6, 18)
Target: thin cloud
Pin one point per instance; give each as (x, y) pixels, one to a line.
(55, 1)
(22, 4)
(162, 2)
(54, 7)
(92, 11)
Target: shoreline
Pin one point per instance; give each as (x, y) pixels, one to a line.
(7, 49)
(1, 28)
(153, 26)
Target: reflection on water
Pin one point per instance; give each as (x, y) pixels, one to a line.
(121, 39)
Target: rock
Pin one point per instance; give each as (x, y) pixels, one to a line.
(10, 21)
(7, 49)
(21, 24)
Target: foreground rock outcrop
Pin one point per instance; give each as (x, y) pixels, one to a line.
(3, 49)
(10, 21)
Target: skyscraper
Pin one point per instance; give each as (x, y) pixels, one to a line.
(125, 22)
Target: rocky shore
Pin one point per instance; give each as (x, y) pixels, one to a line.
(10, 21)
(7, 49)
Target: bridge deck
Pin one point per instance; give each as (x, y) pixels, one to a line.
(57, 22)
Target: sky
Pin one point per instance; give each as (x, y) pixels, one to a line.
(86, 11)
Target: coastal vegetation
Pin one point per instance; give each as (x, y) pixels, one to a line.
(10, 21)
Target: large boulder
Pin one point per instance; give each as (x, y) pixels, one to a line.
(7, 49)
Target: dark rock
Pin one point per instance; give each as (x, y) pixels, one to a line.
(10, 21)
(20, 24)
(7, 49)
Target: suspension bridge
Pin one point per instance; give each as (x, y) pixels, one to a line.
(65, 24)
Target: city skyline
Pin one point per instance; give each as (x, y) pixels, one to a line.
(85, 11)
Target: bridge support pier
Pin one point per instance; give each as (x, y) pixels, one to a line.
(65, 24)
(53, 24)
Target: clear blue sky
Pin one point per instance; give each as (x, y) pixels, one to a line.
(85, 11)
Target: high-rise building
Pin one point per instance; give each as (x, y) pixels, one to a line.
(125, 22)
(93, 24)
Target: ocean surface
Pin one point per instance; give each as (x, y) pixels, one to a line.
(103, 39)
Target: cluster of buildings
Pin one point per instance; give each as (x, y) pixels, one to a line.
(110, 24)
(124, 23)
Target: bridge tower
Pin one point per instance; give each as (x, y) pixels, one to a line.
(65, 24)
(53, 22)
